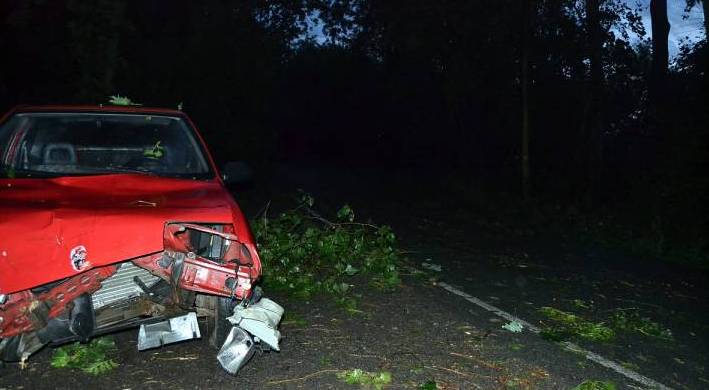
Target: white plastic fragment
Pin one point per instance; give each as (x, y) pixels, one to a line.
(261, 320)
(431, 266)
(175, 329)
(513, 326)
(236, 351)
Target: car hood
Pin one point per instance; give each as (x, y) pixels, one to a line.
(46, 223)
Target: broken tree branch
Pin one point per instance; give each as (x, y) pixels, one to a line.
(491, 366)
(303, 377)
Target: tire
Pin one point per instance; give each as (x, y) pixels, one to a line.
(219, 326)
(8, 349)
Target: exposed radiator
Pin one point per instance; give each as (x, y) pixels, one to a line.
(121, 286)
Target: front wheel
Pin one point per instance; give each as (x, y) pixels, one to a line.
(218, 325)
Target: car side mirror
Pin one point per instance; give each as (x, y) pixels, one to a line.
(237, 172)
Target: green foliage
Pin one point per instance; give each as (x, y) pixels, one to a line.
(118, 100)
(632, 322)
(304, 254)
(325, 360)
(566, 325)
(595, 385)
(92, 358)
(581, 304)
(429, 385)
(345, 214)
(516, 346)
(366, 379)
(156, 152)
(10, 172)
(294, 319)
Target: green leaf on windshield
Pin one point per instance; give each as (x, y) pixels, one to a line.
(156, 152)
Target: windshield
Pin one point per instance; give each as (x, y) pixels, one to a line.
(69, 144)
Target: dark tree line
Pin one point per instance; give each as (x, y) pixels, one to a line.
(567, 99)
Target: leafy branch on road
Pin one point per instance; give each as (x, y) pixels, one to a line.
(632, 322)
(92, 358)
(363, 379)
(304, 253)
(595, 385)
(376, 380)
(564, 325)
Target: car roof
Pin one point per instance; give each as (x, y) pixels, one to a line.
(108, 108)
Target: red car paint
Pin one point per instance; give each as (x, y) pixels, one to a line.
(30, 312)
(109, 219)
(115, 217)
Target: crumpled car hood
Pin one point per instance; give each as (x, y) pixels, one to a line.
(55, 228)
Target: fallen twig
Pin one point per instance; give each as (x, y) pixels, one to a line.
(314, 215)
(263, 209)
(303, 377)
(265, 215)
(178, 358)
(638, 302)
(458, 373)
(368, 356)
(359, 224)
(470, 374)
(491, 366)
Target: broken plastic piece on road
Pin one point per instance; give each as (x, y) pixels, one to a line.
(261, 320)
(513, 326)
(236, 351)
(170, 331)
(431, 266)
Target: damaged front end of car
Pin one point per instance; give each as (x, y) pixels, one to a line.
(202, 269)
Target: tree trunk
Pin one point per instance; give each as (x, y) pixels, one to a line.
(660, 52)
(594, 125)
(705, 7)
(525, 99)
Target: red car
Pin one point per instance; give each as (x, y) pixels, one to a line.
(114, 217)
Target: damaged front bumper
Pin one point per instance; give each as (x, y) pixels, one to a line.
(197, 260)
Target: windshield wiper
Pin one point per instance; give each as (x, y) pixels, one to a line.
(12, 173)
(19, 173)
(112, 169)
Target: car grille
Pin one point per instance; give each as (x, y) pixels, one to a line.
(121, 285)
